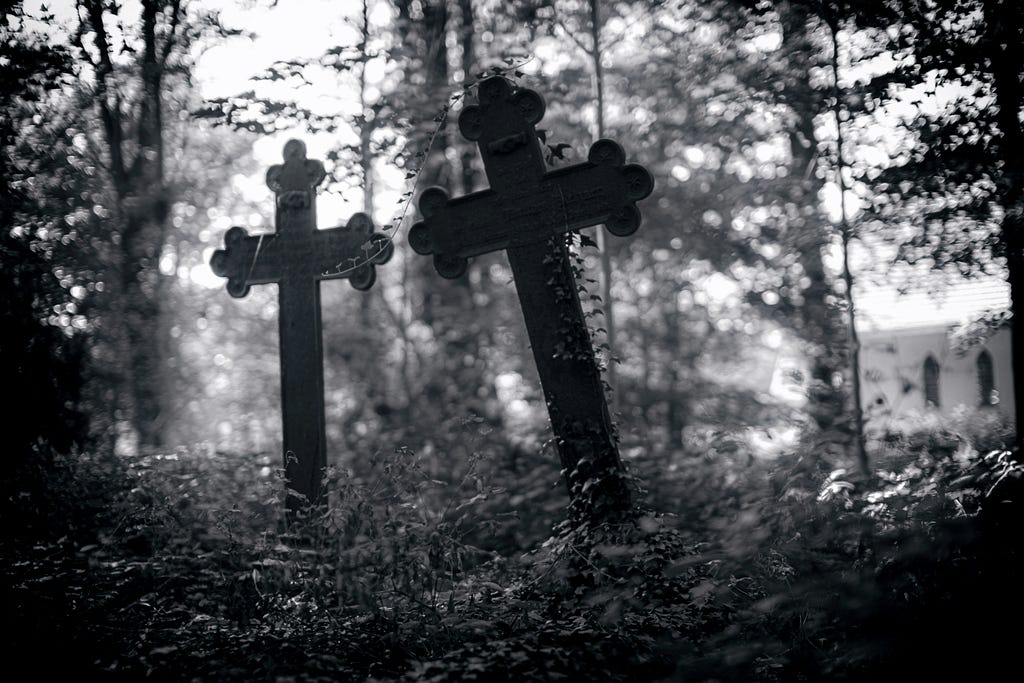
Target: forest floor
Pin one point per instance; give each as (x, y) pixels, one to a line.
(905, 575)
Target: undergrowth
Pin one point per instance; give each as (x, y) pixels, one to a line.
(176, 567)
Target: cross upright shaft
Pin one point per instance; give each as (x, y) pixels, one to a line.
(297, 257)
(524, 212)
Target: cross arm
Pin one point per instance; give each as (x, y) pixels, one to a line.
(350, 252)
(602, 190)
(247, 260)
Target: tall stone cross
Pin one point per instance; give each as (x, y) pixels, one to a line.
(297, 257)
(526, 212)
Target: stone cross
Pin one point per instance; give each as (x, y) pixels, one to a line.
(526, 211)
(297, 257)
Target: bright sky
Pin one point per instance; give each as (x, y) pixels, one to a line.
(292, 30)
(288, 30)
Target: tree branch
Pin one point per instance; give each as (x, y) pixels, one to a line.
(170, 41)
(586, 50)
(109, 116)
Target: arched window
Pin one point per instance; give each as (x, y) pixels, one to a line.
(986, 379)
(931, 382)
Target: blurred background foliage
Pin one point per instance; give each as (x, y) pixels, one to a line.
(146, 402)
(121, 178)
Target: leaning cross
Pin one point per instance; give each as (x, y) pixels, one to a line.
(525, 212)
(297, 257)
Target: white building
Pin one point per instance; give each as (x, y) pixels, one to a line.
(927, 354)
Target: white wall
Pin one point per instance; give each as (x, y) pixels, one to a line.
(892, 369)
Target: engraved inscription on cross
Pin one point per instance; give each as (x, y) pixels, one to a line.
(525, 211)
(297, 257)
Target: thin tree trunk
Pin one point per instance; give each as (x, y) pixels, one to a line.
(366, 127)
(676, 411)
(820, 325)
(846, 235)
(602, 237)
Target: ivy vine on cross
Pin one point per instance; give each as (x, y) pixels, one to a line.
(525, 211)
(297, 256)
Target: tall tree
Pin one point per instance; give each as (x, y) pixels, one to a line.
(801, 55)
(956, 198)
(128, 74)
(745, 164)
(128, 58)
(846, 235)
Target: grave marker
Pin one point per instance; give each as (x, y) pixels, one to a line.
(297, 256)
(525, 212)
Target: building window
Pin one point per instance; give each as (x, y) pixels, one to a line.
(986, 379)
(931, 382)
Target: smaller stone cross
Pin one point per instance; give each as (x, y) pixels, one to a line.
(525, 212)
(297, 257)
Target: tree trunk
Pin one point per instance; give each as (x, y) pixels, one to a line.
(821, 326)
(143, 244)
(846, 235)
(142, 195)
(1005, 19)
(607, 303)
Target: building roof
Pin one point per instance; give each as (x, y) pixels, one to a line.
(931, 301)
